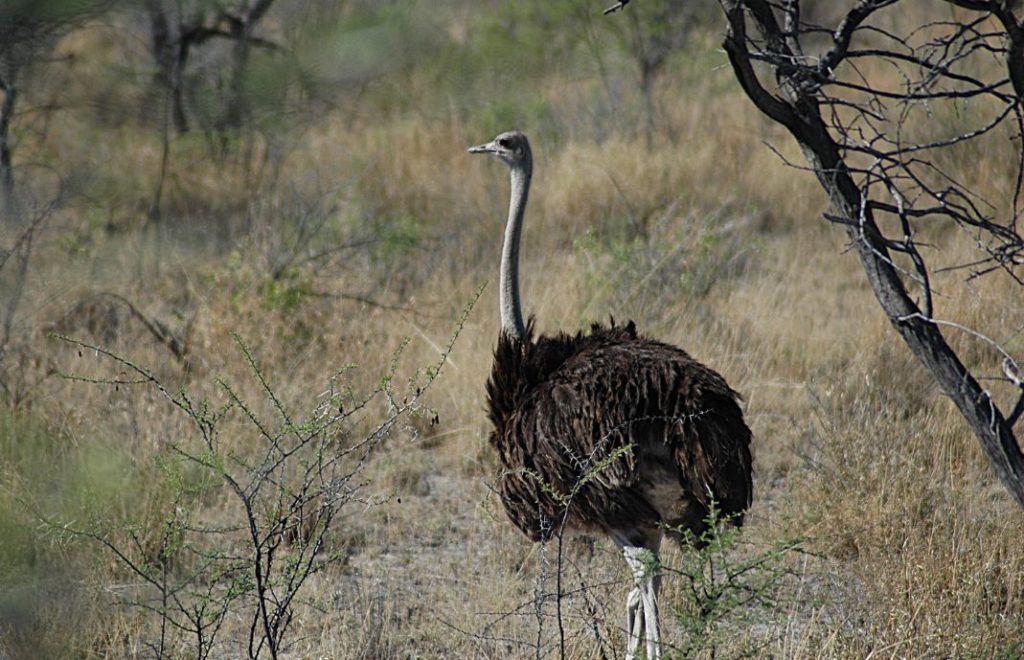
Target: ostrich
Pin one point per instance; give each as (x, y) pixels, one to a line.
(608, 432)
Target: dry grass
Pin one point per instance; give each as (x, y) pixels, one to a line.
(910, 546)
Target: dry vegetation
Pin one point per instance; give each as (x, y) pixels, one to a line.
(900, 541)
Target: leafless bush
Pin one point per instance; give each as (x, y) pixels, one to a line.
(283, 481)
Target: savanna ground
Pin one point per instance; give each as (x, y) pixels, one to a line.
(342, 234)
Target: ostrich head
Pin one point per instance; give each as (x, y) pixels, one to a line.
(512, 147)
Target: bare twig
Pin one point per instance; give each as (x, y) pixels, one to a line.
(621, 4)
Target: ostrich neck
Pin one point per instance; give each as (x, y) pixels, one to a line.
(511, 307)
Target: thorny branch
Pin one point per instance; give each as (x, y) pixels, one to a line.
(287, 481)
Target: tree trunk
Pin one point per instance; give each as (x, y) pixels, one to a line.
(10, 93)
(170, 54)
(177, 88)
(237, 108)
(647, 76)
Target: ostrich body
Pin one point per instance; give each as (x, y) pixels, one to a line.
(608, 432)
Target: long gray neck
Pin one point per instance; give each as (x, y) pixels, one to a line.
(511, 307)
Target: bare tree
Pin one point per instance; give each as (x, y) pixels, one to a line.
(177, 28)
(170, 52)
(242, 25)
(859, 97)
(15, 258)
(651, 33)
(28, 30)
(28, 33)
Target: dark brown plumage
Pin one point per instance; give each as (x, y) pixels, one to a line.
(610, 432)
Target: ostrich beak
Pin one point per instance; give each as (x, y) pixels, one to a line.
(483, 149)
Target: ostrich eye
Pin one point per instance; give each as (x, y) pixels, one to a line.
(504, 143)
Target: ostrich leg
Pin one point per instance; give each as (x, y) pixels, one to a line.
(642, 602)
(651, 627)
(634, 622)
